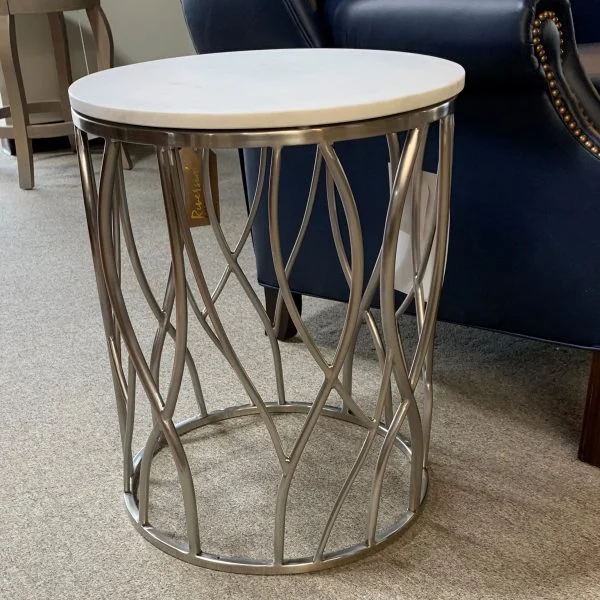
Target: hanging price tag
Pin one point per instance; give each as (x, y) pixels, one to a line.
(195, 198)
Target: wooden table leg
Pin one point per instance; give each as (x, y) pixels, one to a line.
(105, 53)
(589, 446)
(13, 80)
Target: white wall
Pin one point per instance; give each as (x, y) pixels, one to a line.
(147, 29)
(142, 30)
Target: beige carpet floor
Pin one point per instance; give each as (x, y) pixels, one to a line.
(511, 513)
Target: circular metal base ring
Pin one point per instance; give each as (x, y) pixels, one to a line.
(232, 564)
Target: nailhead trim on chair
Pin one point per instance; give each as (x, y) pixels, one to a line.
(558, 102)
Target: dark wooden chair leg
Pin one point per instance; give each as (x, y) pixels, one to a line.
(287, 328)
(589, 446)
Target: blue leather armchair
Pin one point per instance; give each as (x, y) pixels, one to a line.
(524, 255)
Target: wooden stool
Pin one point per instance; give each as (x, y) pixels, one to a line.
(19, 111)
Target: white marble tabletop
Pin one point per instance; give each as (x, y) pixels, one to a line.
(267, 89)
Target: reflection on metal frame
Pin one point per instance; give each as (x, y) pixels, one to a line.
(108, 221)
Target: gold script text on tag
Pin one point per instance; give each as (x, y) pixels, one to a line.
(195, 198)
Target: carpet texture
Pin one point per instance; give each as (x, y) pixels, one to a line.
(510, 513)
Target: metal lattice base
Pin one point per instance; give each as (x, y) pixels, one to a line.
(399, 373)
(173, 546)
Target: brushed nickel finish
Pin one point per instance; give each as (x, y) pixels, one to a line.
(187, 295)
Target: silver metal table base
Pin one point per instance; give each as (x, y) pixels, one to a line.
(400, 372)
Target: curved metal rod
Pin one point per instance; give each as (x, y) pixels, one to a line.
(377, 340)
(109, 167)
(164, 326)
(153, 440)
(347, 375)
(142, 280)
(235, 268)
(225, 344)
(310, 343)
(393, 344)
(287, 298)
(312, 194)
(203, 321)
(415, 237)
(152, 443)
(176, 291)
(161, 332)
(350, 323)
(401, 186)
(382, 461)
(345, 264)
(143, 489)
(420, 263)
(427, 403)
(442, 224)
(338, 243)
(418, 273)
(127, 452)
(394, 154)
(428, 245)
(393, 151)
(373, 283)
(90, 198)
(423, 359)
(118, 367)
(179, 287)
(249, 223)
(230, 256)
(116, 232)
(334, 221)
(380, 351)
(420, 260)
(124, 415)
(360, 460)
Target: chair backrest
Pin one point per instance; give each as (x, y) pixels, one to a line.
(586, 17)
(228, 25)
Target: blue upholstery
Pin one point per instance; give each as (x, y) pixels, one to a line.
(487, 36)
(225, 25)
(586, 15)
(524, 253)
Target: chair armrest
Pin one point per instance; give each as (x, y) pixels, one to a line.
(573, 95)
(229, 25)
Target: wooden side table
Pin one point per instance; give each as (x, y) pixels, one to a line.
(18, 109)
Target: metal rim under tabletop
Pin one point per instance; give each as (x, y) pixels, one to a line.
(111, 234)
(259, 138)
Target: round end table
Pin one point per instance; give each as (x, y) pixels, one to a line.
(270, 100)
